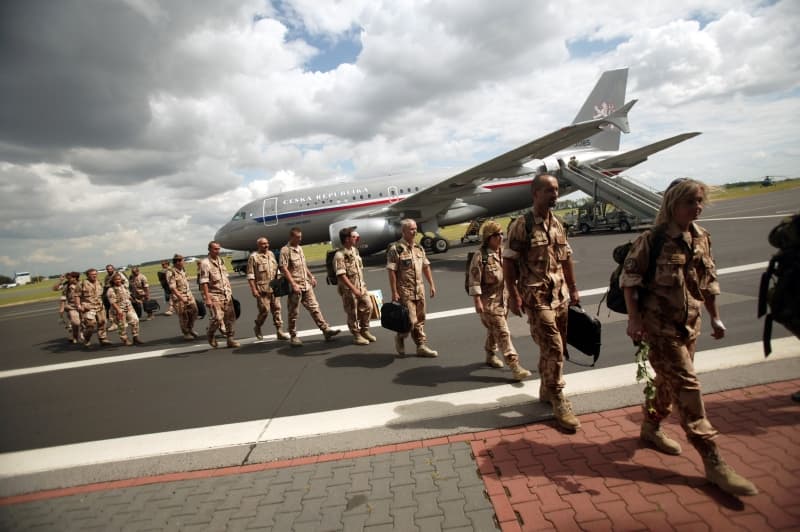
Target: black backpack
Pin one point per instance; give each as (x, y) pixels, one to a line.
(484, 260)
(780, 284)
(615, 295)
(330, 269)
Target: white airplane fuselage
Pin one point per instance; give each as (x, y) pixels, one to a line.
(316, 209)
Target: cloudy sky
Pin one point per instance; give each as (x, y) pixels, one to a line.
(133, 129)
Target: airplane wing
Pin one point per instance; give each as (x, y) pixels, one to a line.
(639, 155)
(428, 202)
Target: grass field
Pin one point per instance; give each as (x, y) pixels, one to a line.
(316, 252)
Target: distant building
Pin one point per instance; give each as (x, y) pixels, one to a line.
(21, 278)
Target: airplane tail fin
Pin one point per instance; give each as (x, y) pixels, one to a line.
(607, 96)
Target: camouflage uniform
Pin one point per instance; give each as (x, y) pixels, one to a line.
(358, 309)
(93, 312)
(544, 290)
(178, 283)
(407, 262)
(221, 313)
(263, 268)
(120, 296)
(670, 306)
(139, 290)
(72, 312)
(294, 260)
(487, 281)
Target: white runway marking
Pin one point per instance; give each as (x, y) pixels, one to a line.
(359, 418)
(199, 347)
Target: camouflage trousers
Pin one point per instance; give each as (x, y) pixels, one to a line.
(94, 320)
(221, 316)
(187, 314)
(416, 313)
(128, 317)
(357, 309)
(549, 330)
(309, 301)
(498, 337)
(266, 303)
(72, 322)
(676, 383)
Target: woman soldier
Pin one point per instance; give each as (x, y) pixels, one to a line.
(121, 309)
(664, 301)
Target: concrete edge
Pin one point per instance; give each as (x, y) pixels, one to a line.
(513, 413)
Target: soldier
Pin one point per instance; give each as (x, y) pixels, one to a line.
(294, 268)
(212, 275)
(352, 287)
(89, 299)
(540, 278)
(181, 297)
(261, 269)
(61, 286)
(664, 311)
(110, 271)
(140, 289)
(407, 265)
(71, 311)
(162, 280)
(119, 298)
(488, 291)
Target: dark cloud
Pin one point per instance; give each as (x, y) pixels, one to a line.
(77, 72)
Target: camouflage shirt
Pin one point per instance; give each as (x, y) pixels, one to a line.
(139, 286)
(540, 256)
(178, 282)
(262, 268)
(294, 260)
(214, 273)
(684, 274)
(486, 280)
(120, 296)
(91, 295)
(407, 262)
(348, 262)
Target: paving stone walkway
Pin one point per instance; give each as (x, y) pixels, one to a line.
(530, 477)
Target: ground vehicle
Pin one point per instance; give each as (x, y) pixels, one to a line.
(599, 216)
(239, 261)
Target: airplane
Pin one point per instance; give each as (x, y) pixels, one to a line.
(440, 198)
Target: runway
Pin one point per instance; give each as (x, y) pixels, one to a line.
(55, 395)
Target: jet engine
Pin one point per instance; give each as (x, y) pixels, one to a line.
(376, 233)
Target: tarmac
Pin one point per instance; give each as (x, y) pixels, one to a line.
(525, 476)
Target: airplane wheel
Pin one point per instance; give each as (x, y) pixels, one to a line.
(624, 226)
(440, 245)
(585, 229)
(426, 242)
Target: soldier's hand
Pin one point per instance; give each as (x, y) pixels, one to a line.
(635, 329)
(478, 306)
(357, 292)
(313, 281)
(433, 291)
(719, 329)
(255, 294)
(574, 297)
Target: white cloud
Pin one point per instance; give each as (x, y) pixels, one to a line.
(183, 111)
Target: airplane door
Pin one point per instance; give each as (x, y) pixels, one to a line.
(270, 211)
(393, 194)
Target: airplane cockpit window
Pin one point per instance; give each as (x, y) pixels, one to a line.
(239, 216)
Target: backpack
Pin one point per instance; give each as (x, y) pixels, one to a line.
(484, 260)
(330, 269)
(780, 284)
(615, 295)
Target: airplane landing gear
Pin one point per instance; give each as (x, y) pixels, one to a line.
(435, 244)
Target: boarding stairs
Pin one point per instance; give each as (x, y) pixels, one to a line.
(620, 191)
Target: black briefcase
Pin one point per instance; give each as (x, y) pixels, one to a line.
(237, 308)
(151, 306)
(394, 317)
(280, 286)
(583, 333)
(137, 307)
